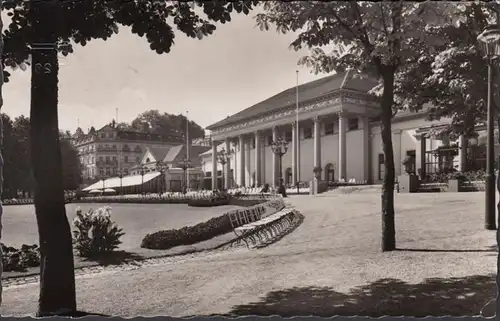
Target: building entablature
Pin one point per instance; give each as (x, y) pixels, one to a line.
(339, 102)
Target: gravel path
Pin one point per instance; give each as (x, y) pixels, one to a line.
(331, 264)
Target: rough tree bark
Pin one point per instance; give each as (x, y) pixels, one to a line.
(57, 278)
(1, 149)
(388, 226)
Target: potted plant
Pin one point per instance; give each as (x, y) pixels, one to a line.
(317, 172)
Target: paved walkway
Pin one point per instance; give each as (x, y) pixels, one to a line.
(331, 264)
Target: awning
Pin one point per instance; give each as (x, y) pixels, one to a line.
(127, 181)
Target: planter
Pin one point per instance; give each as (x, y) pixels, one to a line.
(408, 183)
(454, 185)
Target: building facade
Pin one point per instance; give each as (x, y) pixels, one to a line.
(105, 152)
(338, 131)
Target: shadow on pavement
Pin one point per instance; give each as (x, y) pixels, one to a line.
(434, 297)
(492, 250)
(114, 258)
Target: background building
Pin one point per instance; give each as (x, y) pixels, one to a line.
(105, 151)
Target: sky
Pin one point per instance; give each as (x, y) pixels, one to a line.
(235, 68)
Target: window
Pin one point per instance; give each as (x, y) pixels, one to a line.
(308, 133)
(93, 160)
(114, 158)
(114, 146)
(147, 160)
(329, 128)
(106, 146)
(125, 159)
(288, 136)
(110, 135)
(352, 124)
(103, 135)
(101, 158)
(381, 169)
(107, 159)
(208, 174)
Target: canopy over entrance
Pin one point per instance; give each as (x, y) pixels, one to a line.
(126, 181)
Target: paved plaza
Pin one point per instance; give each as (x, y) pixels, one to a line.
(331, 264)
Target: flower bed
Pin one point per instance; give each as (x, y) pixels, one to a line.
(163, 240)
(20, 259)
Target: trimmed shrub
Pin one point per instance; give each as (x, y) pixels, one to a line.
(167, 239)
(19, 259)
(95, 233)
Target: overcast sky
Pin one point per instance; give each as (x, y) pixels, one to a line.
(212, 78)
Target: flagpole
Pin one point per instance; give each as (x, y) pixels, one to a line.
(187, 148)
(297, 138)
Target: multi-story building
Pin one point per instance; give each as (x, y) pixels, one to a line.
(105, 152)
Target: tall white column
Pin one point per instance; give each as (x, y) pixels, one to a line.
(342, 147)
(462, 154)
(214, 165)
(366, 150)
(258, 175)
(294, 153)
(275, 159)
(227, 169)
(248, 161)
(398, 158)
(242, 160)
(317, 142)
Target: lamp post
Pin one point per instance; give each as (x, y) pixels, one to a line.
(161, 167)
(223, 157)
(489, 40)
(120, 175)
(185, 163)
(142, 171)
(279, 147)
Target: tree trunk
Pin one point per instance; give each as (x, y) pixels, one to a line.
(57, 278)
(1, 149)
(388, 225)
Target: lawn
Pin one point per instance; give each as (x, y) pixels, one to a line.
(137, 220)
(331, 264)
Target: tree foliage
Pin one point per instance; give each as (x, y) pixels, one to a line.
(379, 38)
(84, 20)
(450, 79)
(18, 175)
(152, 121)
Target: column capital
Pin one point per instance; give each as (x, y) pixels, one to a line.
(257, 133)
(317, 119)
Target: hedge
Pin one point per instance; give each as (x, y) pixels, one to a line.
(19, 259)
(164, 240)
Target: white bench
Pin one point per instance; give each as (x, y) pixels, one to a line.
(263, 227)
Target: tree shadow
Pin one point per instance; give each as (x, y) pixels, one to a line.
(391, 297)
(448, 251)
(114, 258)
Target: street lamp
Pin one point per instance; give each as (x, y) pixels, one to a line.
(142, 171)
(489, 41)
(185, 163)
(120, 175)
(161, 167)
(279, 147)
(223, 157)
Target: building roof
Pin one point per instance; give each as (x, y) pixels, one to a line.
(177, 153)
(126, 181)
(219, 148)
(307, 91)
(159, 152)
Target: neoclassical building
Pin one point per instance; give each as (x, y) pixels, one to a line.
(339, 131)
